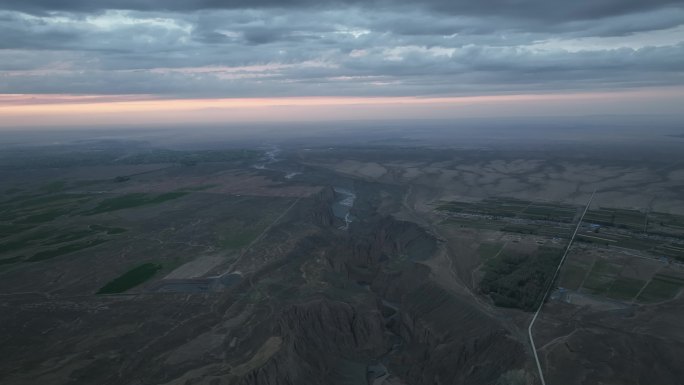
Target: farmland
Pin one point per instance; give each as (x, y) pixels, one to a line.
(130, 279)
(514, 208)
(621, 277)
(612, 229)
(511, 215)
(133, 200)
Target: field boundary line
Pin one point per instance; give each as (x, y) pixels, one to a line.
(256, 240)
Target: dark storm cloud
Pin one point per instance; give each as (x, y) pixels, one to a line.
(526, 9)
(549, 10)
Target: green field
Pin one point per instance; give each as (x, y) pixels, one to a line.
(32, 210)
(598, 284)
(497, 213)
(661, 288)
(131, 278)
(474, 223)
(45, 216)
(8, 261)
(655, 247)
(9, 230)
(675, 251)
(250, 216)
(32, 201)
(605, 279)
(627, 219)
(514, 208)
(69, 236)
(635, 220)
(133, 200)
(573, 275)
(62, 250)
(498, 225)
(23, 242)
(625, 288)
(670, 222)
(601, 277)
(50, 242)
(488, 250)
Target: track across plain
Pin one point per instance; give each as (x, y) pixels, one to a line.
(548, 289)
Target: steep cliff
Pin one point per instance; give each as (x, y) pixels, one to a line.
(321, 337)
(386, 240)
(320, 211)
(445, 338)
(449, 340)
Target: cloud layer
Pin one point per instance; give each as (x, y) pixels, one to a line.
(269, 48)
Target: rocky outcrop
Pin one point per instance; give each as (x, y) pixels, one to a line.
(317, 336)
(445, 339)
(334, 327)
(450, 341)
(327, 194)
(389, 238)
(320, 212)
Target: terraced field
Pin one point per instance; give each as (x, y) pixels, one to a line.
(514, 208)
(621, 277)
(628, 219)
(653, 245)
(512, 215)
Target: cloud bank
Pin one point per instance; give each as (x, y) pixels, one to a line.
(269, 48)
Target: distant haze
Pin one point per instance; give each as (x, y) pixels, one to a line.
(72, 112)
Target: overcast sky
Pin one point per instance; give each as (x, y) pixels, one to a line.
(173, 49)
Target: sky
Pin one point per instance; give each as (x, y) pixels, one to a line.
(90, 62)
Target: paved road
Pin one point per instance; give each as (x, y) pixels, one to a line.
(548, 289)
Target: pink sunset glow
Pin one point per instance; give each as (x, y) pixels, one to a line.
(96, 110)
